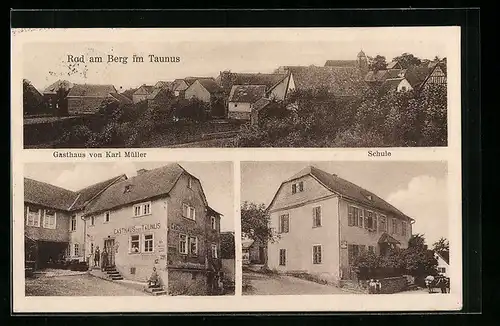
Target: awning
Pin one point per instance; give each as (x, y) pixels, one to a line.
(386, 238)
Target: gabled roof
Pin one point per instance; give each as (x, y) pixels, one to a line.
(121, 98)
(163, 84)
(394, 65)
(346, 189)
(445, 255)
(377, 76)
(386, 238)
(155, 93)
(88, 193)
(247, 93)
(145, 186)
(44, 194)
(144, 90)
(269, 80)
(190, 80)
(129, 93)
(340, 81)
(210, 85)
(260, 104)
(91, 90)
(176, 83)
(391, 84)
(416, 75)
(66, 85)
(340, 63)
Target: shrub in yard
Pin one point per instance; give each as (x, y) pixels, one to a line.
(75, 137)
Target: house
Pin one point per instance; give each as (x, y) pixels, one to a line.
(207, 91)
(159, 97)
(142, 93)
(54, 229)
(87, 98)
(437, 75)
(241, 98)
(129, 93)
(160, 219)
(178, 87)
(343, 82)
(416, 75)
(55, 95)
(120, 98)
(163, 84)
(361, 63)
(276, 81)
(394, 65)
(325, 221)
(399, 84)
(33, 100)
(443, 259)
(252, 251)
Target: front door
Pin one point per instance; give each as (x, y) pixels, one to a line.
(109, 247)
(261, 255)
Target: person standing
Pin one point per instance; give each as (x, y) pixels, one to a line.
(104, 260)
(97, 256)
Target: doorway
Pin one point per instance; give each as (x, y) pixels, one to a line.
(109, 247)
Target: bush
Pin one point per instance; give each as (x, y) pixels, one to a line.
(75, 137)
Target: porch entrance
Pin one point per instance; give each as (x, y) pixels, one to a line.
(109, 248)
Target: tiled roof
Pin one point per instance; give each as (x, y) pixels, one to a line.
(58, 84)
(340, 63)
(121, 98)
(88, 193)
(41, 193)
(391, 84)
(247, 93)
(147, 185)
(393, 65)
(348, 189)
(376, 76)
(91, 90)
(260, 104)
(210, 85)
(164, 84)
(416, 75)
(129, 93)
(191, 80)
(269, 80)
(340, 81)
(386, 238)
(177, 83)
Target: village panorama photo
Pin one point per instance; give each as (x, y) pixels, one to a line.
(129, 229)
(370, 88)
(345, 228)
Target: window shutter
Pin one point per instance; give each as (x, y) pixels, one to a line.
(294, 188)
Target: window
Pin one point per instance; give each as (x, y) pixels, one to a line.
(317, 254)
(49, 219)
(193, 246)
(403, 88)
(213, 223)
(214, 251)
(190, 183)
(441, 270)
(76, 249)
(282, 257)
(403, 229)
(375, 222)
(355, 217)
(91, 248)
(368, 220)
(148, 243)
(371, 249)
(135, 244)
(33, 218)
(284, 226)
(183, 249)
(92, 221)
(142, 209)
(106, 217)
(394, 228)
(188, 211)
(360, 217)
(383, 223)
(73, 222)
(297, 187)
(317, 216)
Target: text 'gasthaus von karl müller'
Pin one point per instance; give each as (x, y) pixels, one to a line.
(110, 58)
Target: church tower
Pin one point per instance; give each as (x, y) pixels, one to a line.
(362, 62)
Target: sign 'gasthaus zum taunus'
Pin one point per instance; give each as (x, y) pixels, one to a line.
(137, 228)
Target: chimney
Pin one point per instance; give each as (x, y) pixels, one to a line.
(141, 171)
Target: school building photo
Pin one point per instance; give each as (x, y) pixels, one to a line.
(145, 228)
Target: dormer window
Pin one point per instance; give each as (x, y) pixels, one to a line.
(369, 197)
(127, 189)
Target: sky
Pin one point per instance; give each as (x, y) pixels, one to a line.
(216, 179)
(45, 63)
(418, 189)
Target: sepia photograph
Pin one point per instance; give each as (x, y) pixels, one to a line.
(129, 229)
(345, 228)
(372, 87)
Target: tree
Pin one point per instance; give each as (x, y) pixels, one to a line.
(378, 63)
(407, 59)
(255, 225)
(442, 245)
(417, 241)
(227, 245)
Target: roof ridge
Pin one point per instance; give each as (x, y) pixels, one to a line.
(50, 184)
